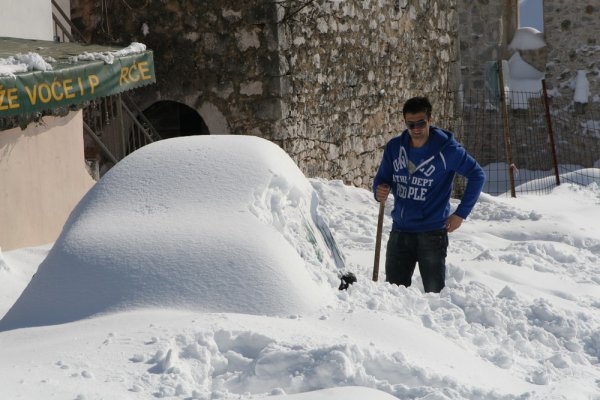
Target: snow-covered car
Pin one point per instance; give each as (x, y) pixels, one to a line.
(208, 223)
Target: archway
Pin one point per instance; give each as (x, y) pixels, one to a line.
(173, 119)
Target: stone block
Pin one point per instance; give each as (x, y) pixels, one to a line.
(271, 109)
(253, 88)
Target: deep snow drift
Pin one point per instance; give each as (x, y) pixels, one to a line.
(519, 318)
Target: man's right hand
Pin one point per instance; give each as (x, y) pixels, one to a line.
(382, 192)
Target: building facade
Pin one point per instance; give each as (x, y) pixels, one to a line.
(325, 80)
(42, 167)
(44, 84)
(571, 33)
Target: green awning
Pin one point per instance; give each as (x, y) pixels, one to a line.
(72, 79)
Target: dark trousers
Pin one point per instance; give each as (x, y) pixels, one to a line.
(406, 249)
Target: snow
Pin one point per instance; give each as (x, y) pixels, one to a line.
(23, 63)
(522, 77)
(32, 61)
(524, 82)
(582, 88)
(207, 268)
(109, 56)
(527, 38)
(519, 69)
(215, 212)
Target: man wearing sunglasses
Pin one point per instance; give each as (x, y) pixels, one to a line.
(418, 168)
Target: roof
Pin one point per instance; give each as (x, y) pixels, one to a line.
(37, 75)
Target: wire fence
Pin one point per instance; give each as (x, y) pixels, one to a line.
(530, 143)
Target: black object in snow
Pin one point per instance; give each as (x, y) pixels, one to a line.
(346, 280)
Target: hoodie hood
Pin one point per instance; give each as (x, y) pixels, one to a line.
(439, 139)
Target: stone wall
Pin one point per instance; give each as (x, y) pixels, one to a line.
(217, 57)
(486, 28)
(349, 67)
(324, 79)
(571, 30)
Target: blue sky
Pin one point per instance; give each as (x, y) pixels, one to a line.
(531, 14)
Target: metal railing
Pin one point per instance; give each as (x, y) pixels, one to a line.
(61, 32)
(120, 130)
(114, 125)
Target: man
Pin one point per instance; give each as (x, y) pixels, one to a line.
(418, 167)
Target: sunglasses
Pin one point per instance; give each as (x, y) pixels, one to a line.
(416, 124)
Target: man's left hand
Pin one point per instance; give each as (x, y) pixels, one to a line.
(453, 223)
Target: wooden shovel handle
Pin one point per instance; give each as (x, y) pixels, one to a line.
(378, 240)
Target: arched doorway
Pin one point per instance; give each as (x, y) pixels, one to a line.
(173, 119)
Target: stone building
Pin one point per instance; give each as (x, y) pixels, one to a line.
(324, 79)
(571, 32)
(487, 28)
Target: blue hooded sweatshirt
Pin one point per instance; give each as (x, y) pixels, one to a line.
(421, 180)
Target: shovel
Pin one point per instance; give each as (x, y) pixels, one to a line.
(349, 278)
(378, 240)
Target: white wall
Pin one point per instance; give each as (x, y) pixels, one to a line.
(42, 168)
(27, 19)
(42, 177)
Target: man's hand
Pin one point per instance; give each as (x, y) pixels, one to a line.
(453, 223)
(382, 192)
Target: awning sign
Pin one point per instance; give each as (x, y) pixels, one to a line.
(44, 90)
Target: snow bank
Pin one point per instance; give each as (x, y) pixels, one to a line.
(16, 269)
(582, 87)
(524, 81)
(210, 223)
(3, 265)
(527, 38)
(519, 317)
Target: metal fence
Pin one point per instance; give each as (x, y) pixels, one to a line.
(528, 143)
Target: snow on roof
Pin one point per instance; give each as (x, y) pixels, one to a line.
(33, 61)
(109, 56)
(23, 63)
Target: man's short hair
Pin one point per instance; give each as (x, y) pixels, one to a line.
(416, 105)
